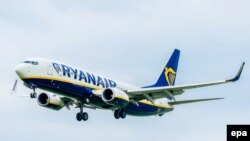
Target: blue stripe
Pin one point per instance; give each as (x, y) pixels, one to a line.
(80, 92)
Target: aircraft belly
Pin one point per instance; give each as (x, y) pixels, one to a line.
(62, 88)
(145, 110)
(76, 91)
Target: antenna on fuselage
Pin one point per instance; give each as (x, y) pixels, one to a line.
(14, 90)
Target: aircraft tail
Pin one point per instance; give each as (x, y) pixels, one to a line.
(168, 75)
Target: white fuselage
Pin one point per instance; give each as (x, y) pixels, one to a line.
(58, 75)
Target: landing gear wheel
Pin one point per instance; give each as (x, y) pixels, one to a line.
(122, 114)
(85, 116)
(78, 116)
(81, 115)
(33, 95)
(116, 114)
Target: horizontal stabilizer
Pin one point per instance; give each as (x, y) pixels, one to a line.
(192, 101)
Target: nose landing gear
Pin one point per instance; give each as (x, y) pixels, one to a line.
(33, 94)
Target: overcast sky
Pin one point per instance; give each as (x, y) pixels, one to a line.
(129, 41)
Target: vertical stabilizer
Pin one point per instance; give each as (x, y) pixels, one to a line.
(168, 74)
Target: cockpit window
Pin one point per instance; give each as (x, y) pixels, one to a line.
(31, 62)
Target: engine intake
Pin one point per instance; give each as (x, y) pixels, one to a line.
(50, 101)
(115, 97)
(108, 95)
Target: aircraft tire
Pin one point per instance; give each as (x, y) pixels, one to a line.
(116, 114)
(79, 117)
(85, 116)
(123, 114)
(34, 95)
(31, 95)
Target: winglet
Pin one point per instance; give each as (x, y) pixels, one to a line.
(237, 77)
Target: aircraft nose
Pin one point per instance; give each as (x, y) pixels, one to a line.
(19, 70)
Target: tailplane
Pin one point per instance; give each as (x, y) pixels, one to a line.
(191, 101)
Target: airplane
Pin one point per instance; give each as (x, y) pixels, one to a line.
(64, 86)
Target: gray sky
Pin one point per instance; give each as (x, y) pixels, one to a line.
(129, 41)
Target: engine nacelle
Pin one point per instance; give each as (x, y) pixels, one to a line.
(115, 97)
(50, 101)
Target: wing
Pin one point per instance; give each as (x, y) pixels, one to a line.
(170, 91)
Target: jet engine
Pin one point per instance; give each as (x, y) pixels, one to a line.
(50, 101)
(115, 97)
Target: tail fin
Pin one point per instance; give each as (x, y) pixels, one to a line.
(168, 75)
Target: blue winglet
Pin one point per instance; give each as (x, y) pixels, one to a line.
(237, 77)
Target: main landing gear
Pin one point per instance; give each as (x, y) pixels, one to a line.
(81, 115)
(120, 114)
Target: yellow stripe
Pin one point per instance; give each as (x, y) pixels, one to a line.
(156, 105)
(64, 80)
(146, 102)
(53, 103)
(87, 85)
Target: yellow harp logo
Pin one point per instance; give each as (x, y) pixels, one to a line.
(170, 76)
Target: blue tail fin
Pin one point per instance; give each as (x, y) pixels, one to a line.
(168, 75)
